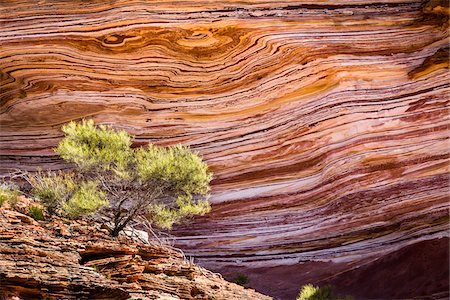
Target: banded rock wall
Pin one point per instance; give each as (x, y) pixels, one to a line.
(325, 123)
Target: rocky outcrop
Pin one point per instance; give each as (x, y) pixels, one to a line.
(61, 259)
(325, 123)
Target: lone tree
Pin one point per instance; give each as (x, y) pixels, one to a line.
(161, 184)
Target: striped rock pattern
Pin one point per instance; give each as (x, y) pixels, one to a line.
(326, 124)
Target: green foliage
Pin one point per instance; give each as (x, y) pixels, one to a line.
(90, 146)
(65, 195)
(164, 184)
(8, 194)
(36, 213)
(241, 279)
(166, 216)
(186, 207)
(311, 292)
(180, 172)
(95, 268)
(176, 165)
(86, 199)
(53, 189)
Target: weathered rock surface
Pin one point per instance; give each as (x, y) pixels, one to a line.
(417, 271)
(326, 123)
(77, 260)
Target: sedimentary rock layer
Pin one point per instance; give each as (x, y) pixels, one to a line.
(326, 124)
(418, 271)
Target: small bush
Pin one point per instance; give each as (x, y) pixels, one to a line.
(311, 292)
(53, 189)
(3, 197)
(64, 195)
(36, 213)
(241, 279)
(8, 194)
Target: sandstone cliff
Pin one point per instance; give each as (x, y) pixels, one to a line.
(61, 259)
(325, 122)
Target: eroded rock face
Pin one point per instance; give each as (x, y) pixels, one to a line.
(326, 124)
(76, 260)
(416, 271)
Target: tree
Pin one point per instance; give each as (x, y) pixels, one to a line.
(162, 184)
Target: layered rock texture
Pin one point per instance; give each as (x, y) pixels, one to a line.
(57, 259)
(326, 123)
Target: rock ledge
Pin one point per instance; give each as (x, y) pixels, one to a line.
(58, 259)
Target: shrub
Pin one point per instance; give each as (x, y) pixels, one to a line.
(311, 292)
(53, 189)
(64, 194)
(8, 194)
(163, 184)
(241, 279)
(36, 213)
